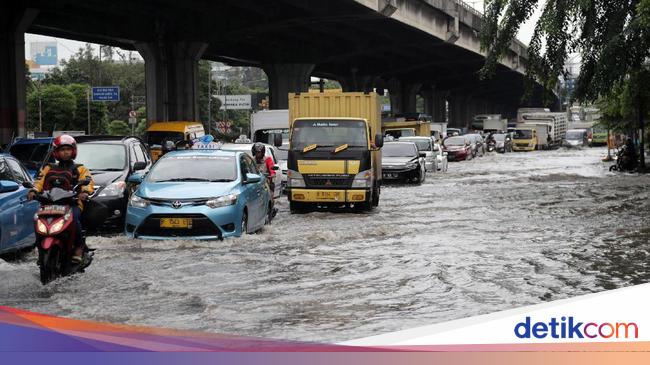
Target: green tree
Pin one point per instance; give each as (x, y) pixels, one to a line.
(118, 128)
(612, 37)
(58, 107)
(98, 110)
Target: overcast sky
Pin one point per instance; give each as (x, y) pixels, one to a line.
(68, 47)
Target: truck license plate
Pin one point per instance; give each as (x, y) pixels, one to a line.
(327, 195)
(175, 223)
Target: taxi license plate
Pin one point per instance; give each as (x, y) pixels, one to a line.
(175, 223)
(328, 195)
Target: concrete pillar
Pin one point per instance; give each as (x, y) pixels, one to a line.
(459, 116)
(429, 100)
(14, 21)
(403, 96)
(440, 107)
(356, 82)
(171, 76)
(285, 78)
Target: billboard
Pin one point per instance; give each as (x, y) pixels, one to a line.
(44, 53)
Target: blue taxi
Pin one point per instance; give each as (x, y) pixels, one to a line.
(199, 194)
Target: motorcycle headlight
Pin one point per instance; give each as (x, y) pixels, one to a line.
(138, 202)
(222, 201)
(40, 226)
(295, 179)
(57, 227)
(114, 189)
(362, 179)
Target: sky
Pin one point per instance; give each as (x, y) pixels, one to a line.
(68, 47)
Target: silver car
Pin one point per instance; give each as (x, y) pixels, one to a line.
(425, 145)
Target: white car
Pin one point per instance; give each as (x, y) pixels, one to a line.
(441, 157)
(270, 151)
(425, 145)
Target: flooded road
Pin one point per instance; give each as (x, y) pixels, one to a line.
(493, 233)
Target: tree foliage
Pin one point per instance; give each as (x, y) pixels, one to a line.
(612, 37)
(58, 107)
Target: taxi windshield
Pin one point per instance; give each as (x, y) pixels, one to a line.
(194, 168)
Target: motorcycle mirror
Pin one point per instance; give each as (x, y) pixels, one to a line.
(28, 185)
(276, 168)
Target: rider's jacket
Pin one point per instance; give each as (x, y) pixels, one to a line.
(64, 175)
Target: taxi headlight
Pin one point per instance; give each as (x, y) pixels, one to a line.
(362, 179)
(138, 202)
(222, 201)
(114, 189)
(295, 179)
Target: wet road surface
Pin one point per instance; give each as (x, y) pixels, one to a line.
(493, 233)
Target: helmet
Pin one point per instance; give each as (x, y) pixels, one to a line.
(258, 147)
(64, 140)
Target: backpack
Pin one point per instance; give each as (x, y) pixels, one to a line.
(62, 178)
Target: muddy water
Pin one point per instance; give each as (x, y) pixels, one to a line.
(493, 233)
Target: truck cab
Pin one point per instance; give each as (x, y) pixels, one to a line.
(525, 139)
(334, 156)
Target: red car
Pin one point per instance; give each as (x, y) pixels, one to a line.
(458, 148)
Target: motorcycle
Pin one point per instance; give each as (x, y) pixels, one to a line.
(55, 231)
(491, 146)
(624, 162)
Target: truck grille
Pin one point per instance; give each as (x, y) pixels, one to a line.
(201, 226)
(343, 181)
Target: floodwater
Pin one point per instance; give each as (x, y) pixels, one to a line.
(493, 233)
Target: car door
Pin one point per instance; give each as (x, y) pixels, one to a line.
(27, 208)
(260, 190)
(250, 192)
(10, 225)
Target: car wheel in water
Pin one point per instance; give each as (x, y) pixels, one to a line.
(244, 223)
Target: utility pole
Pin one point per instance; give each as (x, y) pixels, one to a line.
(88, 108)
(210, 98)
(40, 106)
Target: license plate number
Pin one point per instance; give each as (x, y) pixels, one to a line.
(390, 175)
(327, 195)
(175, 223)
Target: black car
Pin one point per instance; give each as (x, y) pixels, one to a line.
(403, 161)
(111, 160)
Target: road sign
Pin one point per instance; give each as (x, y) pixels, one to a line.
(133, 120)
(133, 114)
(235, 102)
(106, 93)
(224, 127)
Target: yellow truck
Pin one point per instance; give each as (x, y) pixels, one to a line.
(524, 139)
(407, 125)
(160, 132)
(334, 154)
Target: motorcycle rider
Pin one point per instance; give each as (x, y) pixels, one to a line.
(66, 174)
(266, 167)
(629, 155)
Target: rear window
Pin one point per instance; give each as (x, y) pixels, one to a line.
(31, 155)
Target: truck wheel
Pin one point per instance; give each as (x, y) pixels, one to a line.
(375, 196)
(297, 208)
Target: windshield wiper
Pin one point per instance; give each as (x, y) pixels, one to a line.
(111, 169)
(222, 180)
(341, 148)
(185, 179)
